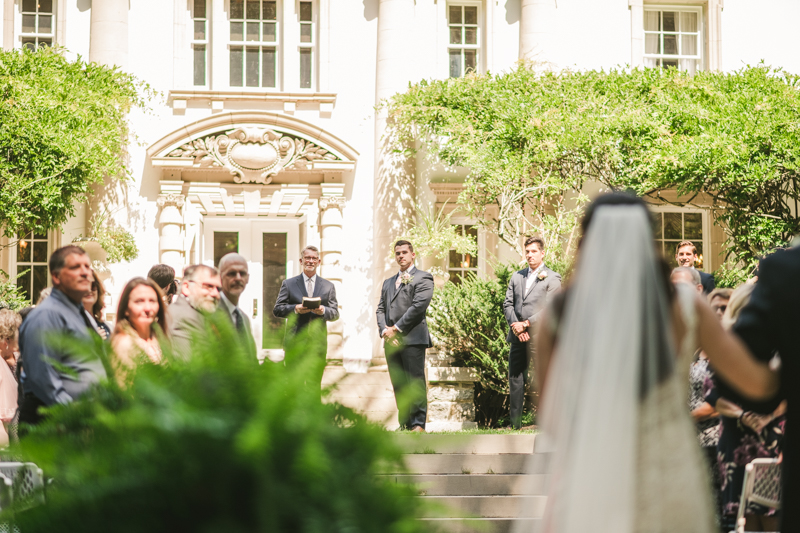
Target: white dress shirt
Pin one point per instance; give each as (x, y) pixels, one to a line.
(313, 286)
(410, 271)
(532, 276)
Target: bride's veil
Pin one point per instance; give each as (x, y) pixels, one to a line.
(613, 348)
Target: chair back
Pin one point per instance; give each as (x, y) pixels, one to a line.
(762, 485)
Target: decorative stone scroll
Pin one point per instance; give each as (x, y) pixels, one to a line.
(332, 202)
(253, 155)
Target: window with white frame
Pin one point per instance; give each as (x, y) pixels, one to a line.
(31, 264)
(253, 45)
(673, 37)
(675, 226)
(463, 38)
(460, 265)
(38, 23)
(307, 44)
(200, 43)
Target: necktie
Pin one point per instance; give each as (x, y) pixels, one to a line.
(397, 283)
(310, 287)
(238, 321)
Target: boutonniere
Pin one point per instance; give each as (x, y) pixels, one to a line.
(406, 278)
(542, 274)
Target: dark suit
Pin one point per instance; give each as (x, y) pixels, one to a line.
(246, 333)
(707, 280)
(768, 324)
(521, 305)
(405, 308)
(292, 292)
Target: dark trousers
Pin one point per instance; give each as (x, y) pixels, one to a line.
(29, 412)
(407, 370)
(517, 376)
(314, 379)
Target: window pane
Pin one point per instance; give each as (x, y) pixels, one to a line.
(672, 226)
(199, 9)
(237, 57)
(28, 23)
(45, 23)
(225, 242)
(305, 68)
(305, 33)
(657, 226)
(700, 257)
(29, 43)
(251, 66)
(455, 63)
(274, 248)
(200, 30)
(253, 9)
(45, 6)
(24, 283)
(24, 251)
(39, 279)
(666, 63)
(39, 236)
(270, 11)
(688, 45)
(670, 19)
(470, 60)
(200, 64)
(470, 35)
(237, 9)
(455, 14)
(651, 21)
(270, 34)
(692, 226)
(454, 259)
(688, 22)
(44, 42)
(455, 35)
(237, 31)
(671, 45)
(252, 31)
(651, 42)
(306, 11)
(470, 14)
(29, 6)
(40, 252)
(268, 64)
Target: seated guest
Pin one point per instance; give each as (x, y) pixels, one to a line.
(51, 374)
(718, 300)
(140, 317)
(234, 276)
(199, 296)
(9, 326)
(687, 275)
(164, 276)
(94, 302)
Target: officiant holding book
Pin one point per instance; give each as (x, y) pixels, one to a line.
(308, 297)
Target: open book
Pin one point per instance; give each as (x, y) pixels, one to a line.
(312, 303)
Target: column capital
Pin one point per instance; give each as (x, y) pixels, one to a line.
(165, 200)
(332, 202)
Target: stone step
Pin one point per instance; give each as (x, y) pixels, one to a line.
(347, 390)
(367, 404)
(479, 525)
(476, 484)
(466, 444)
(437, 463)
(485, 506)
(342, 377)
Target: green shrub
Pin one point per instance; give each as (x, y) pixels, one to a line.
(468, 322)
(11, 296)
(215, 444)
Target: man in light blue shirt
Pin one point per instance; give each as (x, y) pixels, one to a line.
(45, 383)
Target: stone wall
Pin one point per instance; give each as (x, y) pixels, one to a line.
(451, 394)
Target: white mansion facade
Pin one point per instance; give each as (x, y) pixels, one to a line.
(266, 138)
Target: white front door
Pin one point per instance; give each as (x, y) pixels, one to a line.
(272, 250)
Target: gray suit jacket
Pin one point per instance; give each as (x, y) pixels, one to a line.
(292, 292)
(406, 307)
(249, 341)
(56, 315)
(520, 306)
(185, 322)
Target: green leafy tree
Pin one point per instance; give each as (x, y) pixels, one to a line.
(217, 443)
(63, 127)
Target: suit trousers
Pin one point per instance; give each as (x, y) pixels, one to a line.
(28, 412)
(407, 369)
(517, 376)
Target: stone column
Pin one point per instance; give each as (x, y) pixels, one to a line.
(394, 173)
(108, 39)
(535, 25)
(170, 220)
(331, 221)
(8, 24)
(637, 32)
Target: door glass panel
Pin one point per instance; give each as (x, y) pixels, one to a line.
(225, 242)
(274, 247)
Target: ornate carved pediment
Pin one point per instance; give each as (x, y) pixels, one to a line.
(253, 155)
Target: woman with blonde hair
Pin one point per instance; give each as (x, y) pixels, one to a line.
(141, 319)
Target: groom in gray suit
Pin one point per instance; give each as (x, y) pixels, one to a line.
(401, 323)
(529, 291)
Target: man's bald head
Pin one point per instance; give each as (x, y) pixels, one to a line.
(687, 275)
(235, 276)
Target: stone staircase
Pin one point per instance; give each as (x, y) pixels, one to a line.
(370, 394)
(477, 481)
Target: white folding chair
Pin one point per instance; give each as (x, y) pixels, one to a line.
(762, 485)
(27, 484)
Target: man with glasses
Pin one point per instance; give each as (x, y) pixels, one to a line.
(199, 297)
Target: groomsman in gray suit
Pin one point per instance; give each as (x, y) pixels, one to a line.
(401, 323)
(529, 291)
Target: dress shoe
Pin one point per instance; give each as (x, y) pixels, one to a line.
(418, 429)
